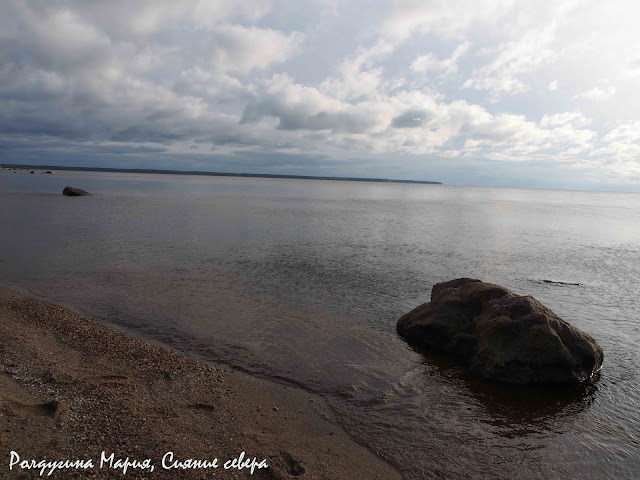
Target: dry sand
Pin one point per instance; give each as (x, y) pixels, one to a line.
(71, 388)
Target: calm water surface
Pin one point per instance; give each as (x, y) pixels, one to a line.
(303, 281)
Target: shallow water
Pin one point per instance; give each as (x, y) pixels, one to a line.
(303, 281)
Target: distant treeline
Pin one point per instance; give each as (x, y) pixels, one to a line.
(215, 174)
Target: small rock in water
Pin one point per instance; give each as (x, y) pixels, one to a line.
(74, 192)
(501, 335)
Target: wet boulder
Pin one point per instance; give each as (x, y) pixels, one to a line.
(74, 192)
(500, 335)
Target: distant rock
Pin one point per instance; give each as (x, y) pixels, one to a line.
(501, 335)
(74, 192)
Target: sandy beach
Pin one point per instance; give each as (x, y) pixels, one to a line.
(74, 389)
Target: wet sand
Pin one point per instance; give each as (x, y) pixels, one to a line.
(72, 388)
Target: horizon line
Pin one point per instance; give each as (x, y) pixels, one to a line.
(217, 174)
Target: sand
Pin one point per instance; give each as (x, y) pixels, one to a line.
(72, 388)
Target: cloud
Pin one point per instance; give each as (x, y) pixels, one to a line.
(633, 68)
(234, 47)
(574, 119)
(597, 93)
(410, 119)
(210, 14)
(505, 73)
(428, 62)
(449, 19)
(140, 20)
(299, 107)
(417, 82)
(358, 75)
(73, 71)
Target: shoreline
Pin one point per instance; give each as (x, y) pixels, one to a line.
(73, 388)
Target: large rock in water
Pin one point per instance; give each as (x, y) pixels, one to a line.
(74, 192)
(502, 336)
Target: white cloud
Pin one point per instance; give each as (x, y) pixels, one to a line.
(357, 76)
(597, 93)
(449, 19)
(331, 6)
(211, 13)
(505, 73)
(60, 37)
(633, 68)
(447, 66)
(234, 47)
(124, 18)
(575, 119)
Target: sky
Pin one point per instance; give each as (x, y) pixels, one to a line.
(519, 93)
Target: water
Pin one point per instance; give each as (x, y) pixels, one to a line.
(303, 281)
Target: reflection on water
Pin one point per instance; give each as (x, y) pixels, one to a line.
(303, 281)
(534, 408)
